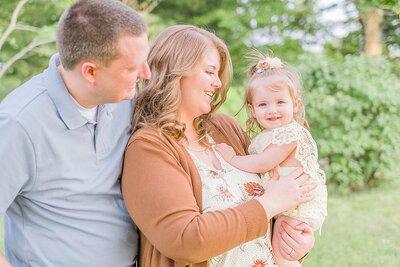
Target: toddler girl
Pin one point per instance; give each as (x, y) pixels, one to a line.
(273, 98)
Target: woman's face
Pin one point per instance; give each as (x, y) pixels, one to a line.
(198, 88)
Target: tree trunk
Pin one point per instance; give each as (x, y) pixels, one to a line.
(372, 22)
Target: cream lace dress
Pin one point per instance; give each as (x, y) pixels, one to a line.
(227, 188)
(315, 211)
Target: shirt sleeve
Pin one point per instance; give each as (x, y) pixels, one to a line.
(17, 161)
(159, 197)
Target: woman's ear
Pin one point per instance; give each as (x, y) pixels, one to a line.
(88, 70)
(296, 105)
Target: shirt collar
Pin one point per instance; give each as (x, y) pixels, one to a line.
(63, 101)
(61, 97)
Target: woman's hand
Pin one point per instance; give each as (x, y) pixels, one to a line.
(292, 239)
(284, 193)
(226, 152)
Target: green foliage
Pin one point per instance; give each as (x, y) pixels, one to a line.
(233, 104)
(37, 21)
(244, 24)
(352, 107)
(354, 42)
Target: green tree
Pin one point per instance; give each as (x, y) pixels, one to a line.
(378, 33)
(282, 25)
(352, 108)
(28, 34)
(27, 39)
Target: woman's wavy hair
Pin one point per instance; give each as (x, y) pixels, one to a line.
(273, 78)
(175, 53)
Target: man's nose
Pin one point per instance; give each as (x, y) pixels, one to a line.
(145, 73)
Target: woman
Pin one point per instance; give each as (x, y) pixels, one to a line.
(169, 157)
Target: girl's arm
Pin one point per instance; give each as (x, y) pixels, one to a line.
(272, 156)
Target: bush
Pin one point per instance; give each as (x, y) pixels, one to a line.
(352, 107)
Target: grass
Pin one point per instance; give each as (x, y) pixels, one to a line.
(362, 229)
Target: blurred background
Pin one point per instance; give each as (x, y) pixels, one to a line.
(348, 53)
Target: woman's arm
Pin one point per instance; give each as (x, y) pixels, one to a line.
(4, 262)
(289, 234)
(159, 196)
(271, 157)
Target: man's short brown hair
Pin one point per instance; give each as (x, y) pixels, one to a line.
(89, 30)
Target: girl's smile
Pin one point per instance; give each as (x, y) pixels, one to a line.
(272, 106)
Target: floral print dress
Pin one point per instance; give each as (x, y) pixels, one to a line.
(227, 188)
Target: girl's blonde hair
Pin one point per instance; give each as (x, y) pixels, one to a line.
(273, 78)
(175, 53)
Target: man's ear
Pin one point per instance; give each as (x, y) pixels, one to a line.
(88, 70)
(296, 105)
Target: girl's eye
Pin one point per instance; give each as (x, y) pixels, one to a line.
(281, 102)
(210, 72)
(262, 105)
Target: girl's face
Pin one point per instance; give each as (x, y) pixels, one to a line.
(198, 88)
(272, 106)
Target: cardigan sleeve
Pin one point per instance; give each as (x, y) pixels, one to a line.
(159, 197)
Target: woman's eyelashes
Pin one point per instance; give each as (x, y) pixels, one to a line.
(210, 72)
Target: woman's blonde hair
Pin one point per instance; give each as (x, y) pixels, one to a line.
(175, 53)
(273, 78)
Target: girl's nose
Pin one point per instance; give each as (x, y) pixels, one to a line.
(271, 110)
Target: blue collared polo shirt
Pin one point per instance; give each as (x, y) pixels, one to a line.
(60, 175)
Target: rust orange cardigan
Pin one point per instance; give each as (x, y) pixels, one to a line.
(162, 191)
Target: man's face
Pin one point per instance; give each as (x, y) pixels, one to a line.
(116, 82)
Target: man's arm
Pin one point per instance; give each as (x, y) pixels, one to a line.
(17, 164)
(17, 160)
(4, 262)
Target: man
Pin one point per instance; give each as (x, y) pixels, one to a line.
(62, 139)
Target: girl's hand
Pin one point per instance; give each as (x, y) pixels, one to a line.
(291, 234)
(226, 152)
(287, 192)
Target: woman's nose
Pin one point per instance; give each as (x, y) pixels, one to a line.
(217, 82)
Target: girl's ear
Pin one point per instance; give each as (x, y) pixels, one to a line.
(296, 105)
(252, 110)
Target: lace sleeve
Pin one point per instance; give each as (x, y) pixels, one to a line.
(307, 153)
(313, 212)
(278, 136)
(286, 134)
